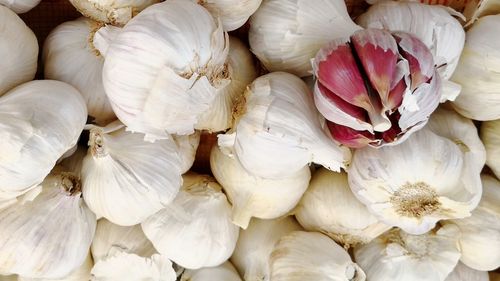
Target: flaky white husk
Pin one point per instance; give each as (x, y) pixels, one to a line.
(252, 196)
(195, 230)
(82, 273)
(490, 135)
(397, 255)
(277, 130)
(39, 122)
(110, 237)
(464, 273)
(224, 272)
(478, 71)
(187, 146)
(255, 244)
(126, 266)
(242, 71)
(304, 255)
(117, 12)
(434, 175)
(18, 49)
(165, 68)
(50, 236)
(69, 56)
(233, 14)
(20, 6)
(328, 206)
(127, 179)
(286, 34)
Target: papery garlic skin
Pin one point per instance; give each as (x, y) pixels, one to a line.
(252, 196)
(328, 206)
(233, 14)
(312, 256)
(70, 56)
(57, 220)
(277, 130)
(82, 273)
(224, 272)
(286, 34)
(20, 6)
(464, 273)
(165, 68)
(39, 122)
(490, 135)
(126, 179)
(187, 146)
(113, 12)
(397, 255)
(19, 51)
(255, 244)
(195, 230)
(478, 72)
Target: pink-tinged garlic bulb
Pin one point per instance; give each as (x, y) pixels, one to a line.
(376, 87)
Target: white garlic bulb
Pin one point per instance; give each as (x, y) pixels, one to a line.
(464, 273)
(165, 68)
(434, 175)
(277, 130)
(130, 239)
(50, 236)
(126, 179)
(187, 146)
(252, 196)
(286, 34)
(328, 206)
(224, 272)
(255, 244)
(303, 255)
(18, 49)
(397, 255)
(114, 12)
(478, 71)
(233, 14)
(195, 230)
(82, 273)
(490, 135)
(70, 56)
(39, 121)
(20, 6)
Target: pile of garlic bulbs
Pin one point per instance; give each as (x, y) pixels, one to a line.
(250, 140)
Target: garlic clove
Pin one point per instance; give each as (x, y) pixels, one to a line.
(187, 146)
(113, 12)
(465, 273)
(349, 136)
(225, 272)
(82, 273)
(20, 6)
(233, 14)
(490, 135)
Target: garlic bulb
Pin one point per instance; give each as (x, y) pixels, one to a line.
(195, 230)
(312, 256)
(286, 34)
(50, 236)
(233, 14)
(255, 244)
(39, 121)
(20, 6)
(165, 68)
(478, 71)
(187, 146)
(434, 175)
(224, 272)
(397, 255)
(252, 196)
(125, 266)
(19, 50)
(126, 179)
(110, 237)
(114, 12)
(490, 135)
(465, 273)
(277, 130)
(72, 42)
(82, 273)
(480, 233)
(241, 69)
(328, 206)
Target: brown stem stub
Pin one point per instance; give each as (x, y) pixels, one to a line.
(415, 200)
(71, 183)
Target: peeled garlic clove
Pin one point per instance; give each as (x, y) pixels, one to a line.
(312, 256)
(397, 255)
(252, 196)
(130, 239)
(277, 131)
(19, 50)
(490, 135)
(328, 206)
(224, 272)
(60, 223)
(31, 146)
(233, 14)
(195, 230)
(478, 72)
(114, 12)
(187, 146)
(126, 179)
(72, 41)
(255, 244)
(465, 273)
(285, 34)
(82, 273)
(20, 6)
(165, 68)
